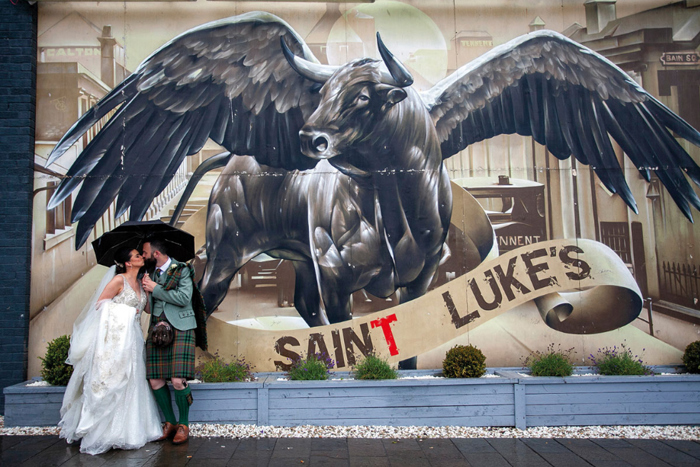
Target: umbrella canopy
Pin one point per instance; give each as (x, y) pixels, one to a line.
(178, 243)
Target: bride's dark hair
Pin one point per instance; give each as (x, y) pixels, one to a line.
(122, 256)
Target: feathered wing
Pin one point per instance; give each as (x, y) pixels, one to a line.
(227, 80)
(571, 100)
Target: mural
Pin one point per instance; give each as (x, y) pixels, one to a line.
(339, 180)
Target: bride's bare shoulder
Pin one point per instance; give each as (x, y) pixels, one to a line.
(113, 288)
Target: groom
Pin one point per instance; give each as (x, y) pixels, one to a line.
(171, 289)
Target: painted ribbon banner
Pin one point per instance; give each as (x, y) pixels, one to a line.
(580, 286)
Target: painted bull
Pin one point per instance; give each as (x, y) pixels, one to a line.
(343, 170)
(374, 217)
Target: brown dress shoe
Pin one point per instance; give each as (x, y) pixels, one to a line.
(182, 435)
(169, 431)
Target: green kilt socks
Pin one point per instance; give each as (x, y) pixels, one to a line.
(183, 399)
(162, 396)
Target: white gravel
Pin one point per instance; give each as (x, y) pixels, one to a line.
(40, 383)
(391, 432)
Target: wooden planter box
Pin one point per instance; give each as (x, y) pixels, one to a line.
(608, 400)
(215, 403)
(402, 402)
(513, 399)
(32, 406)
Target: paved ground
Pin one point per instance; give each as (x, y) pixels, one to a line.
(491, 452)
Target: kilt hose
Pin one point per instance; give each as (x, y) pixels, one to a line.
(173, 361)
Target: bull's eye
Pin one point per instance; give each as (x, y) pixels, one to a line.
(362, 100)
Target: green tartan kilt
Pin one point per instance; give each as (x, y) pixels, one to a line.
(174, 361)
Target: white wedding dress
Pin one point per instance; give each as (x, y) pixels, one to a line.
(108, 402)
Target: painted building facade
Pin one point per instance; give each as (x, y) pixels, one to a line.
(530, 196)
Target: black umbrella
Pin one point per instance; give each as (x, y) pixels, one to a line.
(178, 243)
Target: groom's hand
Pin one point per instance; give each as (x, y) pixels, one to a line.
(148, 284)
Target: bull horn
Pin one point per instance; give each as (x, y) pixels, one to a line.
(309, 70)
(399, 73)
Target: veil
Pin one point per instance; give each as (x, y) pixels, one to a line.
(85, 325)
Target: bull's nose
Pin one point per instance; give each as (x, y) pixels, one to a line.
(315, 144)
(320, 143)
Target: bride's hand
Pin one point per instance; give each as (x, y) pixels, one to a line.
(148, 284)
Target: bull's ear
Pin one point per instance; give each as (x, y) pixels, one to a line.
(390, 94)
(396, 95)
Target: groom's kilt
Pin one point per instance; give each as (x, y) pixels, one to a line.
(173, 361)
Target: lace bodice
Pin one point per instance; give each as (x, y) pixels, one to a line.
(129, 297)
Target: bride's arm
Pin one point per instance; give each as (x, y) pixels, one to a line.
(148, 303)
(113, 288)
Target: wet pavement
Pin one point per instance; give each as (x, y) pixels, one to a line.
(486, 452)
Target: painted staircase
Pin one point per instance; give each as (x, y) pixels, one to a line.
(191, 208)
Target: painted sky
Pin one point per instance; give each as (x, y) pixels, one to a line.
(143, 27)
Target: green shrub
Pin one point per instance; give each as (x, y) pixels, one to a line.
(314, 367)
(464, 361)
(619, 361)
(218, 371)
(54, 368)
(551, 362)
(373, 367)
(691, 357)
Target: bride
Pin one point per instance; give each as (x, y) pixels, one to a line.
(108, 402)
